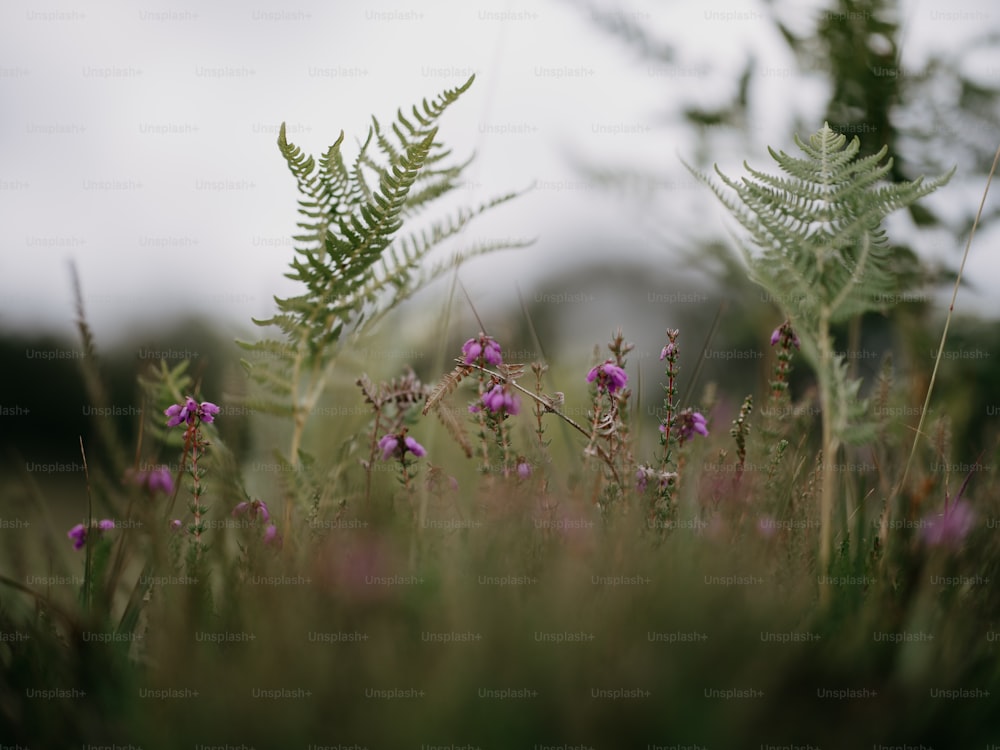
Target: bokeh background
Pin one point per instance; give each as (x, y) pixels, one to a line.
(138, 143)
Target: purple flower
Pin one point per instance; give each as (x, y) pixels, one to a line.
(391, 445)
(414, 447)
(667, 351)
(189, 411)
(689, 422)
(160, 479)
(271, 536)
(523, 469)
(499, 399)
(255, 508)
(950, 528)
(642, 475)
(784, 329)
(388, 445)
(609, 376)
(153, 480)
(79, 532)
(79, 535)
(175, 525)
(483, 347)
(208, 411)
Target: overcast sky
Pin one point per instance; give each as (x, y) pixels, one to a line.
(139, 139)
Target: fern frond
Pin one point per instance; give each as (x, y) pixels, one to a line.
(352, 257)
(446, 386)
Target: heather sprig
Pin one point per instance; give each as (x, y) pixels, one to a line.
(192, 415)
(80, 533)
(399, 445)
(391, 403)
(608, 423)
(676, 428)
(662, 507)
(784, 337)
(739, 432)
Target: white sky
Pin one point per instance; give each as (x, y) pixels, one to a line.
(138, 138)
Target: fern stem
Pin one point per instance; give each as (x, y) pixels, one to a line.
(828, 486)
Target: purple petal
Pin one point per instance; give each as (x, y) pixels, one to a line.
(414, 447)
(79, 534)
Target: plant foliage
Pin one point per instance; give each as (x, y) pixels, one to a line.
(818, 246)
(351, 254)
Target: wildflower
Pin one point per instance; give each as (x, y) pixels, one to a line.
(175, 525)
(950, 528)
(499, 399)
(690, 422)
(642, 475)
(668, 350)
(79, 532)
(271, 536)
(153, 480)
(785, 329)
(397, 445)
(79, 535)
(483, 347)
(189, 411)
(523, 469)
(609, 376)
(388, 445)
(255, 508)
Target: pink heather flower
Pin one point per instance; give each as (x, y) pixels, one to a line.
(483, 347)
(79, 535)
(255, 508)
(777, 333)
(667, 351)
(208, 411)
(388, 445)
(689, 422)
(609, 377)
(271, 536)
(950, 528)
(414, 447)
(642, 475)
(79, 532)
(175, 525)
(523, 469)
(153, 480)
(391, 445)
(161, 479)
(189, 411)
(499, 399)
